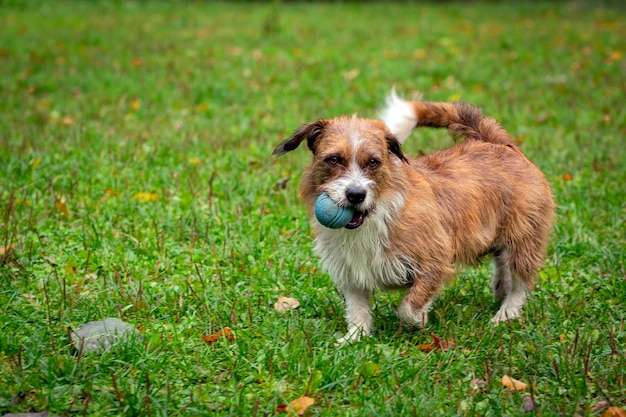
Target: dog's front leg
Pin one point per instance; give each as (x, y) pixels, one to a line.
(416, 303)
(358, 314)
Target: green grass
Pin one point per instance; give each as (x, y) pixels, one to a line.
(184, 102)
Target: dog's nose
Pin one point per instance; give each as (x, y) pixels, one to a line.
(355, 195)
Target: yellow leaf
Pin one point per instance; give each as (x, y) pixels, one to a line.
(201, 107)
(195, 161)
(145, 197)
(614, 56)
(513, 384)
(67, 121)
(301, 404)
(286, 303)
(135, 104)
(62, 207)
(454, 97)
(35, 162)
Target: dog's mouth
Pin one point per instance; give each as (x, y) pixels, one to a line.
(357, 219)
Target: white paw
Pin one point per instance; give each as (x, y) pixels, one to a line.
(506, 313)
(412, 316)
(354, 334)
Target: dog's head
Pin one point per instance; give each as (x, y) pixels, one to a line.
(353, 160)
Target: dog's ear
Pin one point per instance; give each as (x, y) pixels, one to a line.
(395, 147)
(311, 132)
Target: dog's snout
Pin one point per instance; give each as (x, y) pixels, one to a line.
(355, 195)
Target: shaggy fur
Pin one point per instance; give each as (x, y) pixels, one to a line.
(415, 218)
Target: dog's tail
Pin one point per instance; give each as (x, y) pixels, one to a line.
(462, 120)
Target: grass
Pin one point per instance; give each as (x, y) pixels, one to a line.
(136, 182)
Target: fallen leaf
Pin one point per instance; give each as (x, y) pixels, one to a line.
(145, 197)
(529, 404)
(426, 348)
(201, 107)
(351, 75)
(370, 369)
(35, 162)
(212, 338)
(614, 412)
(301, 404)
(567, 176)
(478, 384)
(98, 336)
(286, 303)
(6, 250)
(282, 408)
(513, 384)
(111, 192)
(442, 344)
(600, 406)
(194, 161)
(137, 62)
(63, 208)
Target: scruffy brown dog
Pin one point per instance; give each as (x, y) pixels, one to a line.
(415, 218)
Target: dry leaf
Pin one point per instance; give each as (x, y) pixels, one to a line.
(567, 176)
(513, 384)
(286, 303)
(301, 404)
(442, 344)
(111, 192)
(426, 348)
(478, 385)
(212, 338)
(6, 250)
(282, 408)
(529, 404)
(602, 405)
(614, 412)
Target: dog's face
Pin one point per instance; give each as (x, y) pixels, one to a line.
(353, 160)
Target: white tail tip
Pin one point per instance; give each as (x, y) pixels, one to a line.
(399, 116)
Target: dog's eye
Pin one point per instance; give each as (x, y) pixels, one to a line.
(333, 161)
(373, 163)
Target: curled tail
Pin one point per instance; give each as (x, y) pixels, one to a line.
(462, 120)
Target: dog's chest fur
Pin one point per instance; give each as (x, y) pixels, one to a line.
(364, 258)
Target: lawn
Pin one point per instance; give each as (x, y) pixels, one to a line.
(137, 182)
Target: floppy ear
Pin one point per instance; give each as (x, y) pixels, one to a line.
(311, 132)
(395, 147)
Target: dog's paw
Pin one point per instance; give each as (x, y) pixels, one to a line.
(505, 314)
(412, 316)
(353, 335)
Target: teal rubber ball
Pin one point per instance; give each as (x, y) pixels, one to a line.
(329, 214)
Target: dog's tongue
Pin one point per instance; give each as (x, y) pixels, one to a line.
(356, 221)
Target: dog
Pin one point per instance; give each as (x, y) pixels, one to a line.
(415, 219)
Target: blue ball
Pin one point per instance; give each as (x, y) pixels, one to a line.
(330, 214)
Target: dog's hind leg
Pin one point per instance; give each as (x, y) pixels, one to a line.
(358, 314)
(515, 270)
(501, 282)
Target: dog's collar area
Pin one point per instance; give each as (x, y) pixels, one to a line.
(357, 219)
